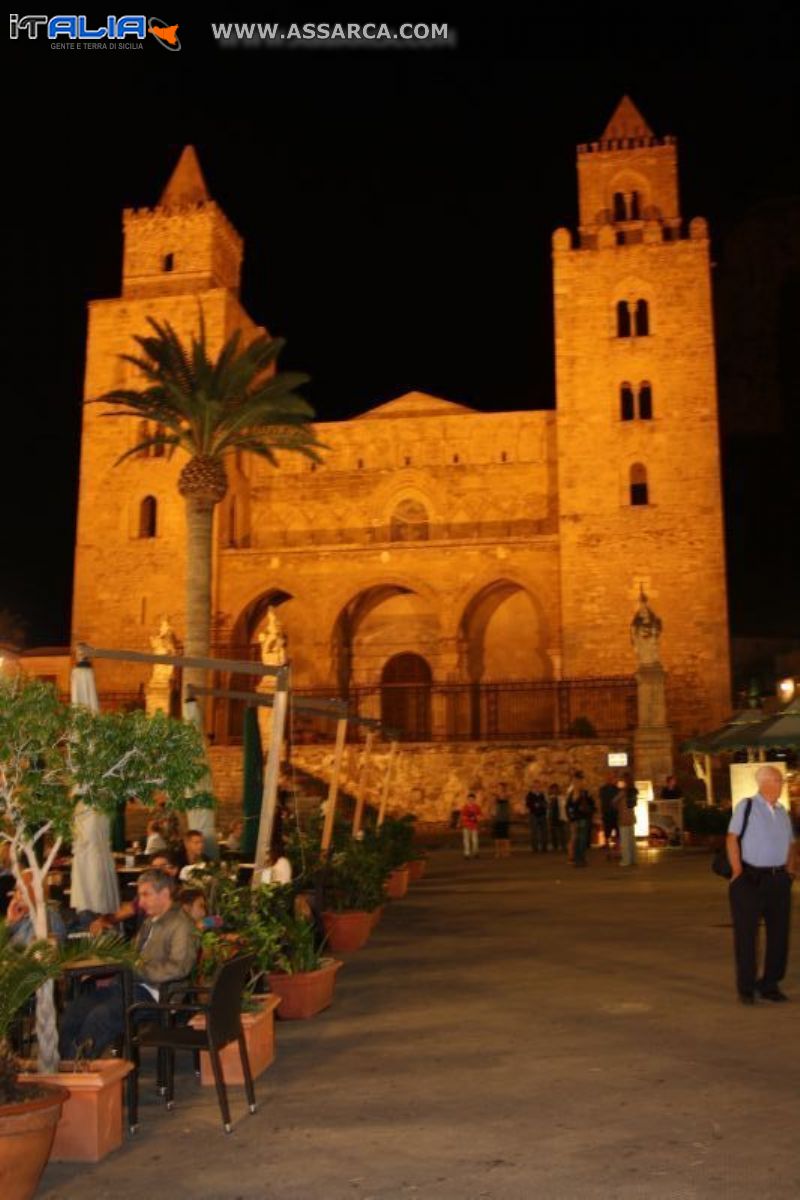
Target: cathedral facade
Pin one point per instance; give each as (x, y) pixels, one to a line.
(439, 550)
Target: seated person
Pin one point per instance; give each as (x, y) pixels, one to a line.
(277, 869)
(20, 920)
(193, 903)
(233, 842)
(155, 839)
(130, 910)
(167, 946)
(193, 859)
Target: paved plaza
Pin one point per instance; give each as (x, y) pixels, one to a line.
(515, 1029)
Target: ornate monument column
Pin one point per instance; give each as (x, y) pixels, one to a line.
(652, 741)
(158, 696)
(273, 654)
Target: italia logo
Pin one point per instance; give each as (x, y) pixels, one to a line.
(75, 28)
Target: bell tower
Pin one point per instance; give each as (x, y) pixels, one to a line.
(181, 257)
(640, 502)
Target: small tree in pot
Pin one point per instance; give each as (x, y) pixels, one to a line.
(53, 757)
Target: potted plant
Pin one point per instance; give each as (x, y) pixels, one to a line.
(353, 889)
(250, 924)
(54, 757)
(304, 978)
(29, 1111)
(394, 840)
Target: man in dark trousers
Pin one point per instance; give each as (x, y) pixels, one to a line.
(608, 811)
(763, 865)
(536, 804)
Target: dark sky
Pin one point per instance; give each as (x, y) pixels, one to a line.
(397, 210)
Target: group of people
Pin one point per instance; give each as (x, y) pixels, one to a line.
(164, 919)
(560, 819)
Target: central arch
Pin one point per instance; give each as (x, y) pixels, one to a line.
(406, 696)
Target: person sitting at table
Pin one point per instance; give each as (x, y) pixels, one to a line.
(193, 854)
(167, 949)
(277, 868)
(233, 842)
(129, 910)
(19, 916)
(194, 904)
(155, 838)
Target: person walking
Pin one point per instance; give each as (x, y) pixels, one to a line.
(763, 856)
(470, 821)
(625, 805)
(502, 823)
(557, 813)
(536, 804)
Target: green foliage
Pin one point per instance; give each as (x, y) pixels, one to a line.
(210, 407)
(355, 878)
(298, 947)
(393, 841)
(24, 969)
(53, 755)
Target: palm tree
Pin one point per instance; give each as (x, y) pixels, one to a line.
(208, 409)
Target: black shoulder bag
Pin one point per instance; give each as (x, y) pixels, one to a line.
(719, 863)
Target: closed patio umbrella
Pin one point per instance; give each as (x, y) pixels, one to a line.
(94, 877)
(202, 819)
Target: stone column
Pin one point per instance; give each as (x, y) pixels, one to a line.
(652, 741)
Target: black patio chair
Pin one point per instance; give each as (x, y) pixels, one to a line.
(222, 1009)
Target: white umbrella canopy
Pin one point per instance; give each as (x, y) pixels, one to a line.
(94, 876)
(202, 819)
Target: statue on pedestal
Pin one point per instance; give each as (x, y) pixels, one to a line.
(273, 641)
(646, 633)
(164, 642)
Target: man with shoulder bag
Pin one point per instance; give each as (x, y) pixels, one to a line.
(762, 855)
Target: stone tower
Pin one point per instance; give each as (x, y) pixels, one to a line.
(180, 257)
(638, 454)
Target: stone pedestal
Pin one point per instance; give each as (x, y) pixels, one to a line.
(158, 697)
(652, 741)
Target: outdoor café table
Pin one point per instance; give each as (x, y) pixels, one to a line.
(97, 968)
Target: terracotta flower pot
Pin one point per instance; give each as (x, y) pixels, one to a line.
(376, 915)
(91, 1123)
(305, 993)
(397, 883)
(347, 931)
(27, 1130)
(259, 1036)
(416, 869)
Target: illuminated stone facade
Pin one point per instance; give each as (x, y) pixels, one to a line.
(437, 541)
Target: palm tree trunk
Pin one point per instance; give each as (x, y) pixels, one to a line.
(199, 526)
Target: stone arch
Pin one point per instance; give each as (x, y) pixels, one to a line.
(243, 644)
(503, 634)
(379, 621)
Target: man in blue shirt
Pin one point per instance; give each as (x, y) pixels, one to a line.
(763, 864)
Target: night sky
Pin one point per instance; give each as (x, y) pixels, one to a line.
(397, 210)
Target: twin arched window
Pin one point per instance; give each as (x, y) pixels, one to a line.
(633, 318)
(626, 206)
(636, 404)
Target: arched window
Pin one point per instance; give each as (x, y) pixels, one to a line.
(635, 206)
(623, 319)
(620, 212)
(169, 262)
(148, 512)
(638, 484)
(626, 402)
(409, 522)
(642, 319)
(645, 402)
(158, 451)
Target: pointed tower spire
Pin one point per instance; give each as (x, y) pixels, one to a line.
(627, 122)
(186, 185)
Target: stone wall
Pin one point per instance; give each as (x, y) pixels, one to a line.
(431, 780)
